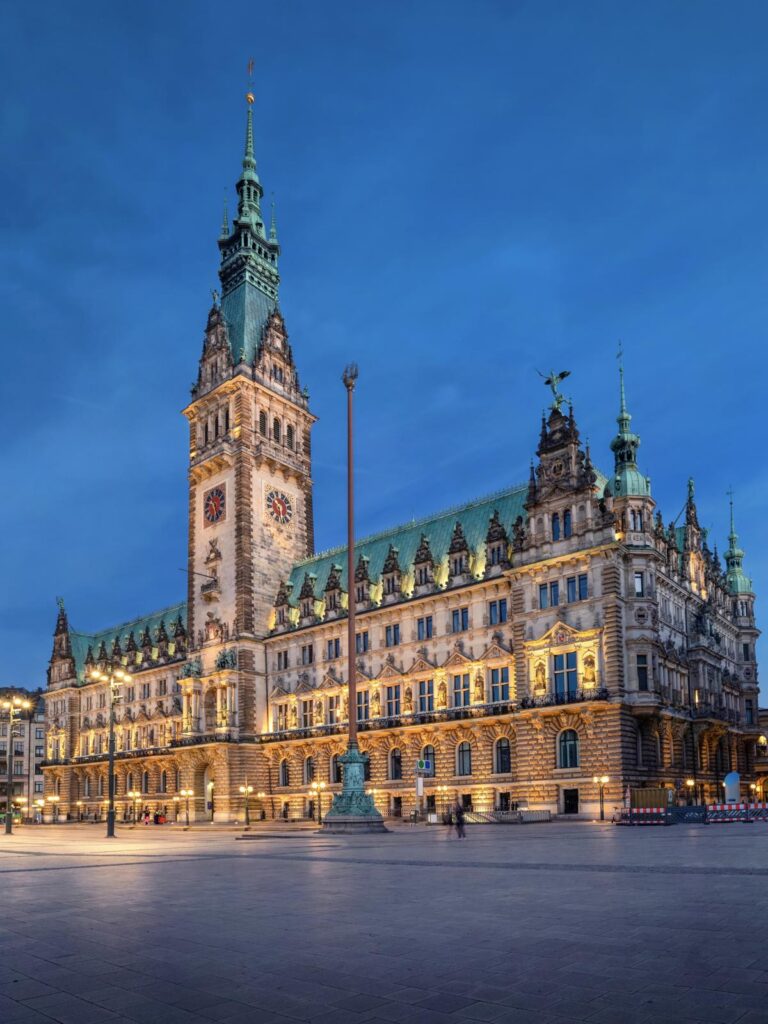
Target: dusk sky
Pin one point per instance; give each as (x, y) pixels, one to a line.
(466, 192)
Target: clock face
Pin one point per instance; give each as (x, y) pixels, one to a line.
(558, 468)
(214, 505)
(279, 507)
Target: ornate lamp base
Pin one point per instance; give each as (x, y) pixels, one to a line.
(353, 811)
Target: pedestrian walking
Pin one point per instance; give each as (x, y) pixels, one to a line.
(460, 820)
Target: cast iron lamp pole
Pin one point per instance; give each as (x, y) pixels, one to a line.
(246, 790)
(13, 709)
(601, 781)
(116, 678)
(186, 793)
(134, 796)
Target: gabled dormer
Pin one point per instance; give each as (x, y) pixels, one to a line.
(496, 547)
(333, 593)
(424, 567)
(362, 584)
(216, 363)
(307, 599)
(458, 556)
(391, 576)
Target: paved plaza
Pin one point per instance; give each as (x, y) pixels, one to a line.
(545, 923)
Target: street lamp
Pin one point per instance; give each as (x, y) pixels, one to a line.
(186, 793)
(54, 799)
(13, 708)
(115, 678)
(79, 806)
(40, 805)
(690, 785)
(246, 790)
(602, 781)
(134, 795)
(317, 788)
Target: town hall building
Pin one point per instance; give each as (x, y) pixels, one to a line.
(524, 645)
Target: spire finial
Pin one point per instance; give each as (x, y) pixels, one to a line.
(225, 219)
(249, 160)
(623, 414)
(273, 224)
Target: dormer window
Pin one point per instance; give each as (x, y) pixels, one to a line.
(496, 554)
(458, 565)
(422, 575)
(390, 585)
(361, 592)
(277, 373)
(332, 601)
(306, 609)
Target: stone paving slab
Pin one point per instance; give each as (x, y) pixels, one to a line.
(548, 924)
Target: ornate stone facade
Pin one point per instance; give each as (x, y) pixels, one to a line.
(521, 644)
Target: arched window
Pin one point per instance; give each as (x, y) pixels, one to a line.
(556, 526)
(395, 764)
(335, 769)
(129, 782)
(503, 759)
(87, 786)
(263, 423)
(100, 786)
(428, 754)
(284, 774)
(568, 749)
(177, 780)
(567, 524)
(464, 759)
(145, 782)
(289, 436)
(163, 781)
(309, 770)
(276, 429)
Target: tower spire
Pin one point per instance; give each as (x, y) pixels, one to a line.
(738, 581)
(628, 480)
(273, 222)
(225, 220)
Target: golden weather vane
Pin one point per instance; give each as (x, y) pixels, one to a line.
(249, 95)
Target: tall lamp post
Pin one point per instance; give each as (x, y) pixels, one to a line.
(246, 790)
(602, 782)
(186, 793)
(134, 795)
(13, 708)
(352, 809)
(115, 678)
(317, 788)
(54, 799)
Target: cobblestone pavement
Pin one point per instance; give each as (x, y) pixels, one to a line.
(545, 924)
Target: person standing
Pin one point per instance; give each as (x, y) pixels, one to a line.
(460, 820)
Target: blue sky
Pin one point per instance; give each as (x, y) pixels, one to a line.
(465, 192)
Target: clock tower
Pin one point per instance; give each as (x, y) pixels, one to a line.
(250, 485)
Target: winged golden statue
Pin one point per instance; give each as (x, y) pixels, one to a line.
(553, 381)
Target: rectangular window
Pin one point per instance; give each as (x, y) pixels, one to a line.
(38, 787)
(459, 620)
(333, 649)
(639, 584)
(130, 693)
(499, 684)
(363, 706)
(282, 660)
(497, 611)
(361, 642)
(39, 752)
(583, 586)
(392, 636)
(18, 767)
(39, 734)
(145, 691)
(280, 717)
(461, 691)
(307, 654)
(18, 748)
(745, 652)
(570, 589)
(333, 710)
(424, 628)
(554, 594)
(102, 700)
(307, 714)
(543, 595)
(566, 678)
(426, 696)
(393, 701)
(162, 688)
(642, 671)
(749, 712)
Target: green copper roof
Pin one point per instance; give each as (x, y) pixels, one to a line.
(82, 641)
(246, 310)
(473, 516)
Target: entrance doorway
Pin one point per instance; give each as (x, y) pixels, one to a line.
(466, 801)
(397, 806)
(570, 801)
(503, 802)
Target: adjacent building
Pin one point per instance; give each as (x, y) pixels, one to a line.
(26, 749)
(524, 645)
